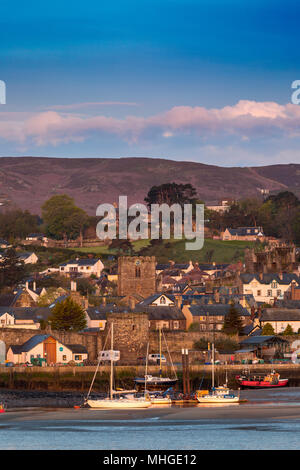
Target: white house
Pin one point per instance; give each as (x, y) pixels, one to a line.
(85, 267)
(280, 318)
(46, 347)
(267, 287)
(28, 258)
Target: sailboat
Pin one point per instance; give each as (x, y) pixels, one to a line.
(121, 399)
(160, 380)
(218, 394)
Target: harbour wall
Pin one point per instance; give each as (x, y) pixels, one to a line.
(67, 378)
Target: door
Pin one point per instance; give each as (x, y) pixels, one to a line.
(50, 350)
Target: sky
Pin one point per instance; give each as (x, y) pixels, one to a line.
(190, 80)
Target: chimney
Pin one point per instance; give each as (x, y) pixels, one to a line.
(261, 275)
(252, 312)
(131, 303)
(86, 303)
(26, 285)
(280, 276)
(217, 297)
(73, 286)
(34, 286)
(178, 300)
(293, 291)
(103, 300)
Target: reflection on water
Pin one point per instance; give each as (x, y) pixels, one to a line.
(89, 429)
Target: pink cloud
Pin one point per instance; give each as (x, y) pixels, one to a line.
(245, 119)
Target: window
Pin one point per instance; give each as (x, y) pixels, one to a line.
(64, 358)
(278, 292)
(78, 357)
(259, 292)
(162, 300)
(176, 325)
(274, 285)
(269, 293)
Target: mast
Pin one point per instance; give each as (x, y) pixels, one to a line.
(160, 371)
(146, 369)
(213, 366)
(111, 362)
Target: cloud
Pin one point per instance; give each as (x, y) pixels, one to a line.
(245, 119)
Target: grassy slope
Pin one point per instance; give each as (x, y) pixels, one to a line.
(223, 252)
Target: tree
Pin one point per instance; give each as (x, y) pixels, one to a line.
(288, 331)
(268, 330)
(171, 193)
(68, 315)
(63, 219)
(232, 323)
(12, 270)
(17, 224)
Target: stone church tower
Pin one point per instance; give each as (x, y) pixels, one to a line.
(137, 275)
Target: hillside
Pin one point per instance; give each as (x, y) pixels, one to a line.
(27, 182)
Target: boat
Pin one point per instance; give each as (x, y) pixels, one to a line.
(271, 380)
(217, 394)
(160, 397)
(118, 399)
(154, 381)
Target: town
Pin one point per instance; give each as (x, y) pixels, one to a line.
(59, 299)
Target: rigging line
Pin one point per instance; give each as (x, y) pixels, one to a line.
(99, 360)
(172, 365)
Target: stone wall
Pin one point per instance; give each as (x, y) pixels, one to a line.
(131, 333)
(92, 342)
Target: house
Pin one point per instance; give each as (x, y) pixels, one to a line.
(46, 347)
(243, 233)
(280, 318)
(222, 206)
(36, 237)
(265, 347)
(266, 287)
(84, 267)
(184, 267)
(211, 317)
(3, 243)
(23, 317)
(163, 311)
(28, 258)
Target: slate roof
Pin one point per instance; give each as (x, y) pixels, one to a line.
(149, 300)
(280, 314)
(77, 348)
(267, 278)
(82, 262)
(216, 310)
(160, 312)
(27, 313)
(258, 340)
(244, 231)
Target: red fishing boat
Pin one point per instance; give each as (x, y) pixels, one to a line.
(272, 380)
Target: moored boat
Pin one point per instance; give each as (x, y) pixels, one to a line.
(272, 380)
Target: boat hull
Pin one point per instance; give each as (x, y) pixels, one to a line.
(156, 381)
(119, 404)
(262, 383)
(218, 399)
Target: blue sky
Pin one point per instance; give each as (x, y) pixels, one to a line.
(207, 81)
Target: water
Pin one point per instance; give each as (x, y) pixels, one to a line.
(270, 420)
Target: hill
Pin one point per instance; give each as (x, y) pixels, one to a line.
(27, 182)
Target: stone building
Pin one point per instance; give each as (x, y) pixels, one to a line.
(136, 275)
(131, 335)
(272, 259)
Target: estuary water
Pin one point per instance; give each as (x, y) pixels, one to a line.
(269, 420)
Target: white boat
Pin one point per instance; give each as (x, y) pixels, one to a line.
(122, 399)
(218, 394)
(154, 380)
(161, 401)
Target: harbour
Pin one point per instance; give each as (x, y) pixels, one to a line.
(270, 419)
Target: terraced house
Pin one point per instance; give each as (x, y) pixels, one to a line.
(266, 287)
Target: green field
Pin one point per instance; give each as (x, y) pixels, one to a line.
(213, 250)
